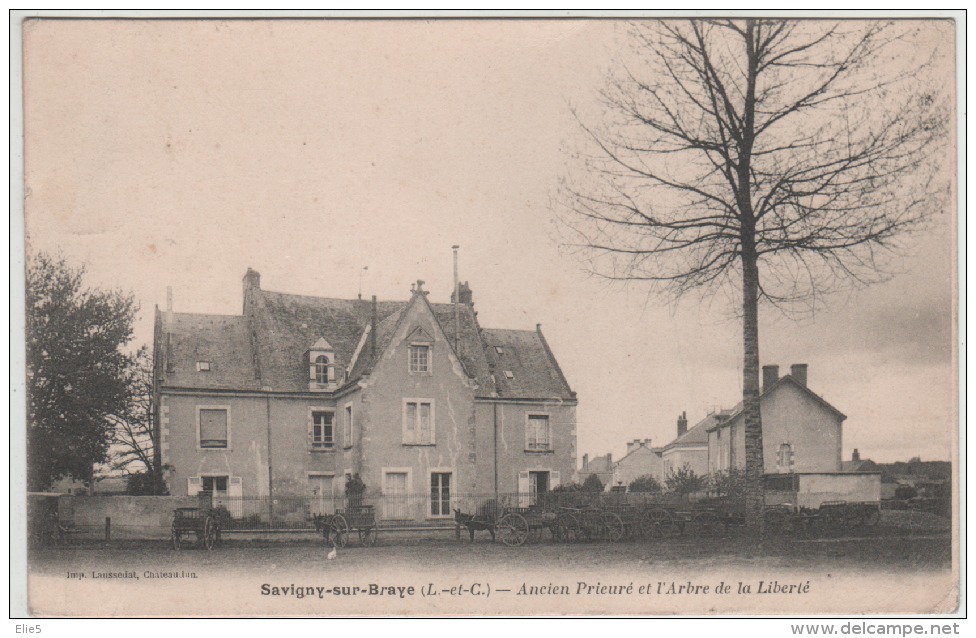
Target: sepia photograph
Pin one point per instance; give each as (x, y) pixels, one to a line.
(489, 315)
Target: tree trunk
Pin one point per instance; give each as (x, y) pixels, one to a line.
(752, 417)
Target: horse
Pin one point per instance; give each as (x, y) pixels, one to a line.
(474, 523)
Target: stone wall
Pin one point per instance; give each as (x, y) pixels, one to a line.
(142, 517)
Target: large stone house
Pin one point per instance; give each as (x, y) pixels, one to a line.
(298, 393)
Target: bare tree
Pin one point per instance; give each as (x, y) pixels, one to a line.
(775, 159)
(133, 430)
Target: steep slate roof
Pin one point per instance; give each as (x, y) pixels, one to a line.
(284, 327)
(525, 354)
(220, 339)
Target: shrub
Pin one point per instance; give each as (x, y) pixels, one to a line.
(684, 481)
(592, 484)
(645, 483)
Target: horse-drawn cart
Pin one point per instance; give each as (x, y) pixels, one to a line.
(359, 519)
(201, 522)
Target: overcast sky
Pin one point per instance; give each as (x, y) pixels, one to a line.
(181, 153)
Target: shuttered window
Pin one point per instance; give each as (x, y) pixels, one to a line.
(418, 422)
(537, 433)
(213, 428)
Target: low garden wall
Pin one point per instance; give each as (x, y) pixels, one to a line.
(130, 517)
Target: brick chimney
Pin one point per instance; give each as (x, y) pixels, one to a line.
(682, 423)
(799, 373)
(856, 456)
(252, 279)
(586, 462)
(770, 376)
(464, 294)
(632, 445)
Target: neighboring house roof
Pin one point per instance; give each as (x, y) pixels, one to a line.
(264, 349)
(653, 450)
(598, 465)
(698, 435)
(866, 465)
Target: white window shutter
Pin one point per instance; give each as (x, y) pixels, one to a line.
(553, 480)
(193, 485)
(235, 486)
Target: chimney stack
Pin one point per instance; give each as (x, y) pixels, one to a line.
(799, 373)
(586, 462)
(770, 376)
(856, 456)
(633, 445)
(464, 294)
(682, 423)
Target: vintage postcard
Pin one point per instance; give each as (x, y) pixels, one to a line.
(527, 317)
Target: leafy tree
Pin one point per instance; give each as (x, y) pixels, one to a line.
(770, 160)
(646, 483)
(140, 484)
(592, 484)
(355, 488)
(684, 481)
(728, 483)
(76, 370)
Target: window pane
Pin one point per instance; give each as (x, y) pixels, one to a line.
(537, 435)
(213, 428)
(425, 422)
(411, 416)
(419, 356)
(322, 435)
(440, 494)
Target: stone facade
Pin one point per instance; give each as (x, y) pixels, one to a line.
(298, 393)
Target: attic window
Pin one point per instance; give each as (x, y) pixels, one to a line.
(509, 375)
(499, 350)
(203, 366)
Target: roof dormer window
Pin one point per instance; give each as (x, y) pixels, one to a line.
(321, 369)
(203, 366)
(321, 366)
(509, 375)
(499, 350)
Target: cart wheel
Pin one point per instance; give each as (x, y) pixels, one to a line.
(209, 533)
(338, 531)
(709, 524)
(568, 526)
(514, 529)
(176, 539)
(657, 523)
(367, 536)
(613, 526)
